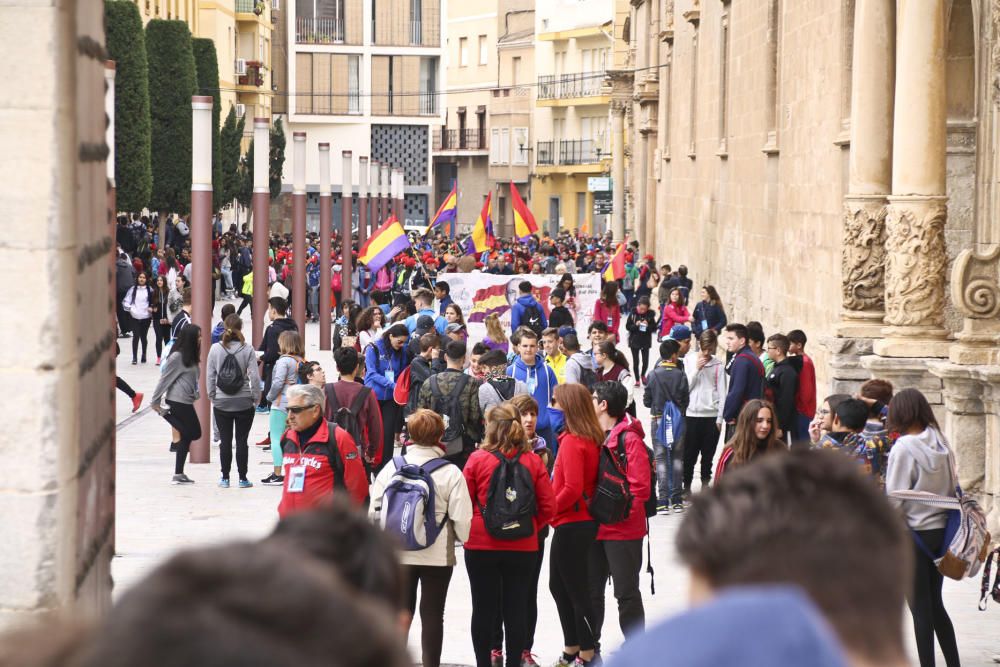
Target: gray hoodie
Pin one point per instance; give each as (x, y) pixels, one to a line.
(246, 357)
(920, 463)
(178, 382)
(707, 389)
(575, 365)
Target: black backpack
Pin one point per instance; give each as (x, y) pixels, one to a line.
(588, 378)
(450, 408)
(651, 502)
(613, 498)
(347, 418)
(231, 378)
(532, 319)
(509, 513)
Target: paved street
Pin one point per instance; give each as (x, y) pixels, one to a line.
(154, 519)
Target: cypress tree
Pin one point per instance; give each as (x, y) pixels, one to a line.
(172, 82)
(126, 44)
(229, 140)
(207, 65)
(244, 194)
(276, 160)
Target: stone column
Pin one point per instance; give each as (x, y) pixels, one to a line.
(261, 226)
(637, 175)
(325, 231)
(399, 195)
(915, 244)
(965, 422)
(362, 200)
(201, 257)
(109, 138)
(384, 199)
(346, 223)
(975, 291)
(618, 171)
(298, 287)
(373, 195)
(870, 173)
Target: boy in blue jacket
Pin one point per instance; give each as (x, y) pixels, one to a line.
(746, 375)
(530, 367)
(521, 314)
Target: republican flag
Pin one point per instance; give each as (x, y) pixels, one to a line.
(615, 270)
(447, 212)
(524, 222)
(487, 301)
(385, 243)
(482, 238)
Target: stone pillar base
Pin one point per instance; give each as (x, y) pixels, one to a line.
(860, 324)
(904, 373)
(913, 342)
(846, 372)
(978, 344)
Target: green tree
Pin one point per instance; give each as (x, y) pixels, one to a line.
(229, 141)
(244, 194)
(127, 47)
(172, 82)
(276, 160)
(207, 65)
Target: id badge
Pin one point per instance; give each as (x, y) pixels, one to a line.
(610, 320)
(296, 479)
(390, 375)
(642, 327)
(704, 325)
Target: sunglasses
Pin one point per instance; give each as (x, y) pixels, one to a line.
(296, 409)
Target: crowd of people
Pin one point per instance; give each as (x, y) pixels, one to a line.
(532, 433)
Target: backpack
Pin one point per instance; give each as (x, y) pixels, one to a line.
(671, 424)
(231, 379)
(503, 396)
(966, 539)
(613, 498)
(588, 378)
(509, 513)
(450, 408)
(407, 510)
(532, 318)
(401, 392)
(347, 418)
(320, 471)
(651, 502)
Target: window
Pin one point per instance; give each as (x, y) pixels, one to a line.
(771, 77)
(494, 145)
(463, 51)
(416, 21)
(693, 120)
(505, 145)
(520, 147)
(724, 50)
(353, 87)
(515, 70)
(483, 50)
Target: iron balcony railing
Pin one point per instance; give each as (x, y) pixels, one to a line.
(319, 31)
(579, 84)
(460, 140)
(570, 151)
(545, 153)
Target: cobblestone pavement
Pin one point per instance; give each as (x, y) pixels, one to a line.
(155, 519)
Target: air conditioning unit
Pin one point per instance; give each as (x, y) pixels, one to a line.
(241, 67)
(275, 5)
(241, 110)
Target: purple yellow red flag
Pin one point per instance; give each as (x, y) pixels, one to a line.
(524, 222)
(482, 238)
(487, 301)
(447, 212)
(385, 243)
(615, 270)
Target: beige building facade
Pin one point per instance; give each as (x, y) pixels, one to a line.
(830, 166)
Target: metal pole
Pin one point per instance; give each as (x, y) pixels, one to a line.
(325, 228)
(261, 226)
(201, 257)
(362, 200)
(298, 287)
(373, 198)
(384, 199)
(347, 177)
(398, 195)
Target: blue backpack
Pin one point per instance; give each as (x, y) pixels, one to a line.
(671, 424)
(408, 506)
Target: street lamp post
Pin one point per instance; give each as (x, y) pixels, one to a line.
(261, 226)
(325, 229)
(298, 291)
(347, 189)
(201, 256)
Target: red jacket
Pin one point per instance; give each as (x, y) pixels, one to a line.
(673, 313)
(478, 471)
(604, 314)
(370, 417)
(805, 396)
(321, 480)
(639, 475)
(574, 477)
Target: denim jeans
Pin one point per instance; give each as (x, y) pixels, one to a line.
(313, 293)
(669, 461)
(227, 276)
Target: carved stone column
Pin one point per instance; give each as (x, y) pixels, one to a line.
(975, 291)
(965, 422)
(915, 245)
(617, 171)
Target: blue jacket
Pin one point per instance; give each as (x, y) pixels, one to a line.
(217, 332)
(544, 379)
(709, 312)
(517, 312)
(378, 361)
(445, 302)
(746, 382)
(439, 322)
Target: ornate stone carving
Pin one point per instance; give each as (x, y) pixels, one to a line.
(975, 284)
(916, 261)
(995, 50)
(863, 254)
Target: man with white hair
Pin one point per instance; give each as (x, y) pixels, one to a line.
(320, 458)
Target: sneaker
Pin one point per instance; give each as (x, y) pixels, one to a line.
(137, 401)
(135, 362)
(637, 383)
(224, 483)
(273, 480)
(262, 410)
(245, 484)
(679, 506)
(173, 447)
(181, 479)
(596, 661)
(496, 658)
(528, 659)
(266, 448)
(565, 660)
(663, 508)
(157, 361)
(142, 360)
(265, 441)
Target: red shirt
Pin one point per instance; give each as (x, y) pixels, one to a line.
(478, 471)
(611, 316)
(673, 313)
(805, 396)
(640, 476)
(320, 482)
(574, 477)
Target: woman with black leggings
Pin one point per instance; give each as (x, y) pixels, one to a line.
(921, 460)
(573, 481)
(641, 324)
(161, 324)
(179, 384)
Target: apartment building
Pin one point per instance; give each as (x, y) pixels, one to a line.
(461, 144)
(364, 76)
(573, 51)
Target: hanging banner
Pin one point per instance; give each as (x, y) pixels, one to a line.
(481, 294)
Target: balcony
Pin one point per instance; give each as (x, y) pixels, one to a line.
(572, 89)
(545, 153)
(473, 140)
(319, 31)
(405, 104)
(578, 151)
(569, 156)
(254, 78)
(255, 7)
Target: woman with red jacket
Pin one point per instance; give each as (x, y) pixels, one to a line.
(607, 309)
(573, 481)
(674, 312)
(501, 571)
